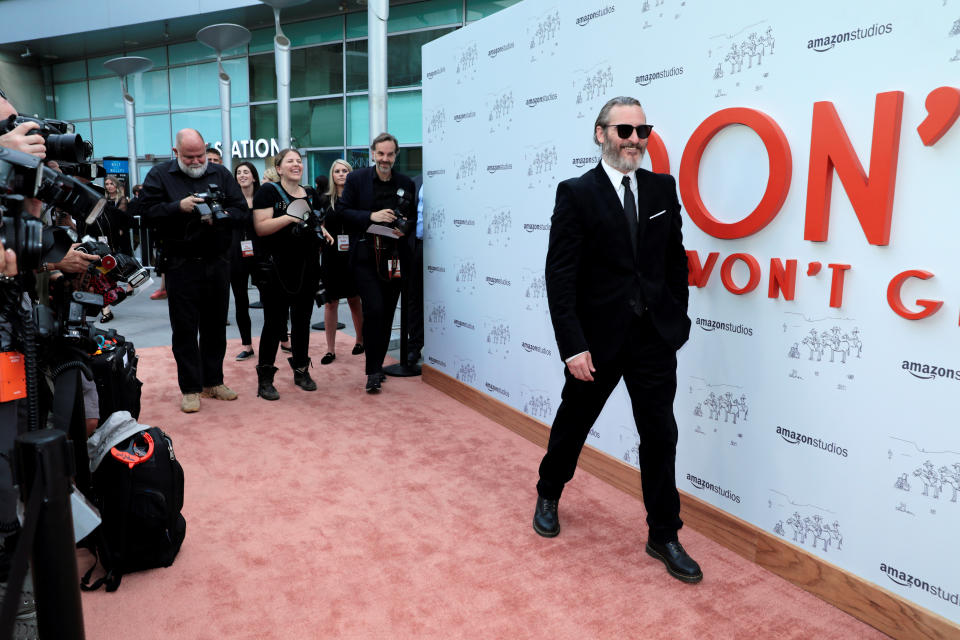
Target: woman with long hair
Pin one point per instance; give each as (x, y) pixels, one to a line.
(290, 245)
(249, 181)
(336, 273)
(113, 227)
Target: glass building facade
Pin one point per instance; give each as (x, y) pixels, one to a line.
(328, 88)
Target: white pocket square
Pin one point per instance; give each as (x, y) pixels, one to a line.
(657, 214)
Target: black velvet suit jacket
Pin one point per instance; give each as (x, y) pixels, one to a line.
(357, 204)
(593, 278)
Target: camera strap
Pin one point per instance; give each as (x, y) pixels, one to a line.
(282, 192)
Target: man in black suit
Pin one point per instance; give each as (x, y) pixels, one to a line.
(371, 196)
(616, 276)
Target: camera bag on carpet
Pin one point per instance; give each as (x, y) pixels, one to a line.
(114, 369)
(138, 488)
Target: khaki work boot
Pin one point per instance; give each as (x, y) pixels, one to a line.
(190, 403)
(219, 392)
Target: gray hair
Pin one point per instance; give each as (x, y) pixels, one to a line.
(603, 116)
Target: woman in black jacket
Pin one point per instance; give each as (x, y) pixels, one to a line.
(337, 276)
(291, 248)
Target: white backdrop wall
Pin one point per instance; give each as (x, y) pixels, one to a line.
(799, 417)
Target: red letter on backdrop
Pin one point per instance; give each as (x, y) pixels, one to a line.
(836, 284)
(726, 274)
(781, 278)
(871, 196)
(778, 182)
(943, 108)
(697, 275)
(930, 307)
(659, 158)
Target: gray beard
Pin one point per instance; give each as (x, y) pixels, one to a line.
(611, 154)
(192, 172)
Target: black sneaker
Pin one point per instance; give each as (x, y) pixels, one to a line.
(246, 354)
(373, 383)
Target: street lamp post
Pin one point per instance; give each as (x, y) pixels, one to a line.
(281, 53)
(124, 67)
(378, 11)
(220, 38)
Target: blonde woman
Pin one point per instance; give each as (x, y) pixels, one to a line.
(293, 248)
(335, 271)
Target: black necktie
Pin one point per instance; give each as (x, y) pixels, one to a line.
(630, 210)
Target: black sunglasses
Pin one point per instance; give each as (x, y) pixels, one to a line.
(625, 130)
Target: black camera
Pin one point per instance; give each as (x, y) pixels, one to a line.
(25, 175)
(85, 170)
(118, 267)
(403, 222)
(211, 209)
(321, 297)
(60, 139)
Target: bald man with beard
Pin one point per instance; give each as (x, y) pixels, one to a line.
(198, 263)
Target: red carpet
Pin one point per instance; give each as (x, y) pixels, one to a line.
(335, 514)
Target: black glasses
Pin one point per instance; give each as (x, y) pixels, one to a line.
(626, 130)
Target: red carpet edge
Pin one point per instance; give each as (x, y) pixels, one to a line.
(868, 602)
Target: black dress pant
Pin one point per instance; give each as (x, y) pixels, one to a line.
(239, 274)
(198, 296)
(278, 304)
(379, 296)
(648, 366)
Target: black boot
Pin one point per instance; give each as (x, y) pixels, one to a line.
(301, 377)
(265, 388)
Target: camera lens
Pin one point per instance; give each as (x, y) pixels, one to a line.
(68, 147)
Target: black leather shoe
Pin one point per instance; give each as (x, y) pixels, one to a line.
(373, 383)
(678, 563)
(546, 518)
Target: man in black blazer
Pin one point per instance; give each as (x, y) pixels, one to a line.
(371, 196)
(616, 276)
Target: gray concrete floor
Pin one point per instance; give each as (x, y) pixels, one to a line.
(146, 322)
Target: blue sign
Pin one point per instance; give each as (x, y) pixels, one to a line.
(116, 165)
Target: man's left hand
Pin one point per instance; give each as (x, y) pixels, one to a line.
(8, 262)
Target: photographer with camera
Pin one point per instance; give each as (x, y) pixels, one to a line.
(377, 210)
(194, 206)
(288, 271)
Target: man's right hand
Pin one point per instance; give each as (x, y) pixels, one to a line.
(384, 215)
(75, 261)
(188, 203)
(18, 139)
(581, 367)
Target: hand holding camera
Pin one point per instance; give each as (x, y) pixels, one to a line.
(384, 216)
(209, 205)
(21, 139)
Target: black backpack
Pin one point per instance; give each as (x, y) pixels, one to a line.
(138, 488)
(115, 372)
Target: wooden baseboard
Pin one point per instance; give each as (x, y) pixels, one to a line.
(878, 607)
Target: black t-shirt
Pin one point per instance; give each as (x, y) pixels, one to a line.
(295, 246)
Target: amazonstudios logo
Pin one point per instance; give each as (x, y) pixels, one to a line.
(825, 43)
(704, 485)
